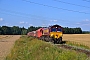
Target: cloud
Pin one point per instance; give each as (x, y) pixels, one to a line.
(30, 24)
(87, 25)
(49, 24)
(7, 24)
(22, 22)
(43, 24)
(53, 20)
(85, 22)
(1, 19)
(78, 23)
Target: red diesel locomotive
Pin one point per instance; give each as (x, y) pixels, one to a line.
(53, 33)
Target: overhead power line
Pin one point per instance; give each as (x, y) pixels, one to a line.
(19, 13)
(71, 4)
(87, 1)
(25, 15)
(55, 7)
(14, 12)
(14, 15)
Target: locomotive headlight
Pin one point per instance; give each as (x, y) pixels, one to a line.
(60, 35)
(51, 34)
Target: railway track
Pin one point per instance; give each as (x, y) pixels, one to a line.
(86, 51)
(78, 49)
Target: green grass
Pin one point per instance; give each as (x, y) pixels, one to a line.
(28, 48)
(77, 45)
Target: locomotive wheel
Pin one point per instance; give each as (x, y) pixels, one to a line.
(47, 39)
(42, 38)
(59, 40)
(51, 40)
(55, 41)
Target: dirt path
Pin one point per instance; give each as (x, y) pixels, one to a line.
(6, 44)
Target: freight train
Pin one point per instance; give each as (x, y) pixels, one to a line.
(51, 34)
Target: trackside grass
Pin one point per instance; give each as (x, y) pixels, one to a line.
(28, 48)
(83, 46)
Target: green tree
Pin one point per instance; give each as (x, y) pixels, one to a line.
(72, 30)
(0, 30)
(23, 31)
(6, 30)
(16, 30)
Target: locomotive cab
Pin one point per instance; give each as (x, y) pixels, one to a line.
(56, 33)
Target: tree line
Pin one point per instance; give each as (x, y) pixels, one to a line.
(72, 30)
(16, 30)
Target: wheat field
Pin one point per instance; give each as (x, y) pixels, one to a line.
(6, 43)
(78, 38)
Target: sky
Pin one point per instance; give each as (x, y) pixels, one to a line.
(66, 13)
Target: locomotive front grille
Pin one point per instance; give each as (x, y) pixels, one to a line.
(56, 35)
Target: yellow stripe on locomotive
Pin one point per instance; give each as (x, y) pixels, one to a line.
(56, 35)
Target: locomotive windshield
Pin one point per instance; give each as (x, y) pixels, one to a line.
(59, 30)
(56, 29)
(53, 29)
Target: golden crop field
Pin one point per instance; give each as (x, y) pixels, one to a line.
(2, 36)
(6, 43)
(78, 38)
